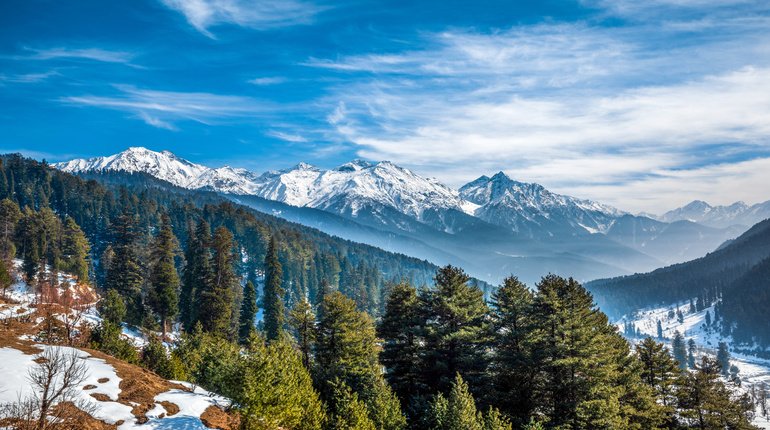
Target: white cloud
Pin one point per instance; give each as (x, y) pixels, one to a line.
(94, 54)
(597, 112)
(257, 14)
(293, 138)
(160, 108)
(28, 78)
(267, 80)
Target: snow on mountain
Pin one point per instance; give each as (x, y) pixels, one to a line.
(162, 165)
(355, 185)
(738, 213)
(531, 208)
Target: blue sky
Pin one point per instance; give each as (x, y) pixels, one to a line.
(645, 105)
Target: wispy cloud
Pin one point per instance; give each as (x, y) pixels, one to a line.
(204, 14)
(267, 80)
(28, 78)
(161, 108)
(94, 54)
(288, 137)
(597, 111)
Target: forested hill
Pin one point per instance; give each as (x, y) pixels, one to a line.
(309, 257)
(736, 273)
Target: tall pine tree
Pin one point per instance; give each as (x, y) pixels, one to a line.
(125, 274)
(215, 300)
(164, 279)
(197, 273)
(248, 312)
(513, 369)
(456, 329)
(400, 328)
(273, 293)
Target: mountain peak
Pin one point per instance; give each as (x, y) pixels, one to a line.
(354, 165)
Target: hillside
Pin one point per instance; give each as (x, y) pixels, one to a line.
(105, 392)
(95, 205)
(735, 272)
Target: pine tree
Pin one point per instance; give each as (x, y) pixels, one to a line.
(723, 358)
(248, 312)
(458, 410)
(164, 279)
(346, 345)
(691, 353)
(346, 350)
(5, 278)
(29, 238)
(400, 328)
(10, 214)
(346, 411)
(660, 372)
(708, 319)
(583, 356)
(679, 349)
(155, 358)
(273, 293)
(706, 403)
(215, 300)
(112, 307)
(513, 370)
(455, 340)
(302, 321)
(124, 274)
(660, 330)
(197, 273)
(277, 390)
(75, 249)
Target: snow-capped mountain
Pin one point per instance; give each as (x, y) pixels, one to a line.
(166, 166)
(738, 213)
(493, 225)
(356, 185)
(533, 210)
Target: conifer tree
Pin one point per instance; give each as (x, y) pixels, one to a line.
(163, 297)
(456, 331)
(346, 411)
(125, 274)
(705, 402)
(273, 293)
(660, 372)
(660, 330)
(513, 370)
(302, 321)
(215, 300)
(691, 353)
(248, 312)
(346, 345)
(679, 349)
(277, 390)
(112, 307)
(346, 350)
(723, 358)
(5, 278)
(9, 217)
(400, 328)
(75, 249)
(582, 357)
(458, 410)
(197, 273)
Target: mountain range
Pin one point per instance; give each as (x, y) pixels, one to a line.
(494, 225)
(738, 213)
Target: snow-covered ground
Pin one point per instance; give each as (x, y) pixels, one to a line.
(15, 366)
(753, 370)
